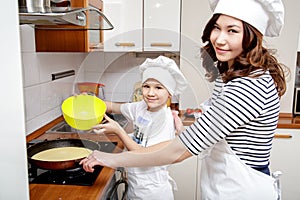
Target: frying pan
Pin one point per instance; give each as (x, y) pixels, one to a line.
(50, 144)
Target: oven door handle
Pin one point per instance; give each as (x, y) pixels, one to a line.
(115, 189)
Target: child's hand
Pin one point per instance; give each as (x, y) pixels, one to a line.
(177, 121)
(107, 126)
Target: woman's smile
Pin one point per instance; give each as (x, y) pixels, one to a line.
(221, 51)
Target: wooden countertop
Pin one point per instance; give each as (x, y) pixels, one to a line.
(72, 192)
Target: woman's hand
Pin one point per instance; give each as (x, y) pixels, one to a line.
(109, 126)
(97, 158)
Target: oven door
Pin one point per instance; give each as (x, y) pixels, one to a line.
(117, 189)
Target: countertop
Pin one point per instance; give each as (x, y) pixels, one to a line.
(70, 192)
(286, 120)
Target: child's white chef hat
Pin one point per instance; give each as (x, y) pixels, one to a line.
(267, 16)
(165, 71)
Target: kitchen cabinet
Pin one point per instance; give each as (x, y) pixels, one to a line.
(186, 175)
(127, 18)
(162, 25)
(143, 25)
(285, 158)
(48, 40)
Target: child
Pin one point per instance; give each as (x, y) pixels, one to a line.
(152, 123)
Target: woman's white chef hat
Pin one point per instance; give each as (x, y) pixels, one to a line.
(267, 16)
(165, 71)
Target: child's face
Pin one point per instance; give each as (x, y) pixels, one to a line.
(155, 94)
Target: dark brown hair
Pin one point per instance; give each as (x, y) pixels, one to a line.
(253, 57)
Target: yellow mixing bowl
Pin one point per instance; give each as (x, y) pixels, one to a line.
(83, 111)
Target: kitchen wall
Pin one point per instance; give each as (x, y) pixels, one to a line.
(43, 96)
(117, 71)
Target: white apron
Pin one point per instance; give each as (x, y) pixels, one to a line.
(152, 183)
(224, 176)
(157, 183)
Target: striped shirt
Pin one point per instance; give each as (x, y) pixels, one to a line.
(244, 112)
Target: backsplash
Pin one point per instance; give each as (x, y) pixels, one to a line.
(43, 97)
(117, 71)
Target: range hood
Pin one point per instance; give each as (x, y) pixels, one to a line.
(51, 14)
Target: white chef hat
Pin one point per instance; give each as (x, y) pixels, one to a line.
(267, 16)
(165, 71)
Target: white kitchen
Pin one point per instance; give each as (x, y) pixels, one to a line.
(37, 96)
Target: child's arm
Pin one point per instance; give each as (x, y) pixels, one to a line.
(113, 107)
(112, 126)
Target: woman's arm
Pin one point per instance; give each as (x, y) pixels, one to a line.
(164, 153)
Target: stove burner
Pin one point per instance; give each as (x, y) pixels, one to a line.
(68, 174)
(68, 177)
(76, 176)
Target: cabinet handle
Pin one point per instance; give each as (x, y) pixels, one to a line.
(282, 135)
(158, 44)
(125, 44)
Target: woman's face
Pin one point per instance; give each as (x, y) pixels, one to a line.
(226, 38)
(155, 94)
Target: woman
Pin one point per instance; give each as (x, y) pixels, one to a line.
(235, 133)
(153, 123)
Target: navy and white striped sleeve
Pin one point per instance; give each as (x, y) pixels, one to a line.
(239, 102)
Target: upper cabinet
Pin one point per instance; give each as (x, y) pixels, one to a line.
(127, 18)
(149, 25)
(162, 25)
(51, 40)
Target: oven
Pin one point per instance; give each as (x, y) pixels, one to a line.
(296, 106)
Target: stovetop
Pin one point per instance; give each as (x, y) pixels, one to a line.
(76, 176)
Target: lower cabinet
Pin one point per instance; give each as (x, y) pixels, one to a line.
(186, 176)
(285, 158)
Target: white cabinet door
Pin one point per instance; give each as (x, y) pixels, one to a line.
(185, 175)
(127, 19)
(150, 25)
(162, 25)
(285, 157)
